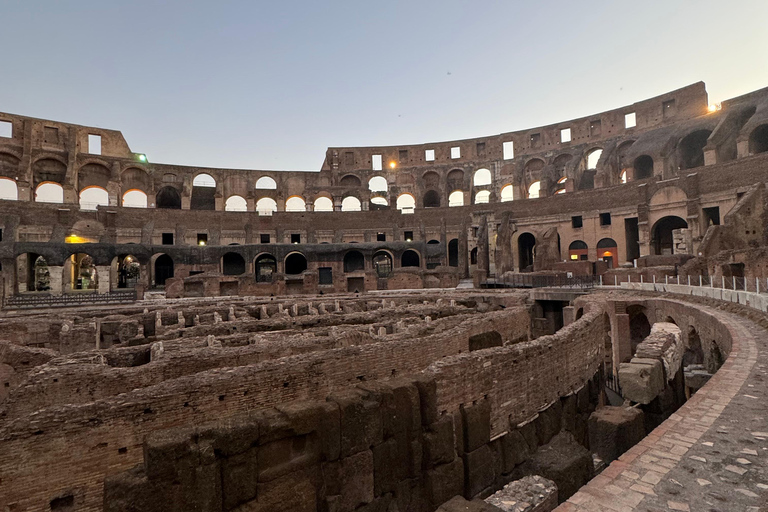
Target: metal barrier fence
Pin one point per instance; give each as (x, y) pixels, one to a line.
(541, 281)
(37, 301)
(742, 284)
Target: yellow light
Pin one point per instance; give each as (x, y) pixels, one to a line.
(201, 242)
(392, 165)
(714, 107)
(574, 256)
(74, 239)
(607, 253)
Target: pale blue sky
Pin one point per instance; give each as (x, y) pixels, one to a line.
(253, 84)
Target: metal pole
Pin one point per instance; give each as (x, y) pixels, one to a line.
(689, 280)
(734, 283)
(666, 279)
(615, 280)
(757, 285)
(601, 280)
(723, 282)
(654, 278)
(641, 278)
(699, 280)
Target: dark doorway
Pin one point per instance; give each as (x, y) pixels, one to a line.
(168, 198)
(266, 267)
(453, 253)
(525, 244)
(233, 264)
(692, 149)
(295, 264)
(643, 167)
(163, 269)
(632, 236)
(758, 140)
(354, 261)
(431, 199)
(410, 259)
(663, 241)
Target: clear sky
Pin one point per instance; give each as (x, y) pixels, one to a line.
(270, 85)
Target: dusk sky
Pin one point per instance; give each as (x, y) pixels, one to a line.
(270, 85)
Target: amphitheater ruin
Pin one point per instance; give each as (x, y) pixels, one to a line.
(571, 317)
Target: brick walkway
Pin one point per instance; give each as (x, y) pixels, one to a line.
(710, 456)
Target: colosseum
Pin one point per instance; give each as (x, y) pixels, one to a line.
(571, 317)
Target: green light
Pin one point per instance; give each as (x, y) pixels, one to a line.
(143, 158)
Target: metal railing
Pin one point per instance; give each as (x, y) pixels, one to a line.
(741, 284)
(35, 301)
(540, 281)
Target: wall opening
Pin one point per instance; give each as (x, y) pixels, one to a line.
(163, 269)
(232, 264)
(382, 264)
(456, 198)
(323, 204)
(578, 250)
(507, 193)
(266, 206)
(266, 268)
(758, 140)
(525, 244)
(663, 240)
(135, 199)
(168, 197)
(295, 204)
(351, 204)
(608, 252)
(8, 189)
(236, 204)
(632, 237)
(295, 263)
(266, 183)
(643, 166)
(692, 149)
(410, 258)
(354, 261)
(431, 199)
(128, 271)
(482, 178)
(453, 253)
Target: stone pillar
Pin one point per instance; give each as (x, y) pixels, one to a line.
(569, 315)
(57, 284)
(620, 335)
(710, 156)
(742, 148)
(105, 276)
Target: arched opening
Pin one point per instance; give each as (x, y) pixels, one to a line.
(639, 327)
(266, 268)
(758, 140)
(295, 204)
(8, 189)
(163, 269)
(128, 271)
(382, 264)
(266, 206)
(168, 198)
(560, 185)
(350, 181)
(354, 261)
(608, 252)
(643, 166)
(232, 264)
(378, 203)
(593, 157)
(203, 193)
(482, 197)
(266, 183)
(48, 192)
(692, 149)
(507, 193)
(323, 204)
(623, 178)
(410, 258)
(431, 199)
(135, 199)
(49, 170)
(84, 275)
(525, 250)
(236, 204)
(663, 238)
(377, 184)
(453, 253)
(473, 256)
(406, 203)
(456, 198)
(37, 276)
(578, 250)
(295, 263)
(534, 189)
(694, 354)
(93, 197)
(456, 179)
(351, 204)
(431, 179)
(482, 178)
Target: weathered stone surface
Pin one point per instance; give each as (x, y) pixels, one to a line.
(614, 430)
(459, 504)
(239, 478)
(439, 442)
(479, 470)
(444, 481)
(529, 494)
(351, 478)
(361, 423)
(548, 423)
(477, 425)
(528, 431)
(565, 462)
(642, 380)
(485, 340)
(515, 450)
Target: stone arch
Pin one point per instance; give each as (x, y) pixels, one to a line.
(534, 190)
(351, 204)
(9, 166)
(323, 204)
(354, 261)
(135, 178)
(266, 206)
(92, 175)
(382, 263)
(431, 199)
(643, 167)
(691, 149)
(456, 198)
(92, 197)
(232, 264)
(163, 267)
(453, 252)
(8, 189)
(431, 179)
(265, 266)
(236, 203)
(168, 197)
(661, 234)
(378, 184)
(134, 198)
(578, 250)
(525, 250)
(406, 203)
(758, 140)
(49, 192)
(295, 204)
(203, 192)
(266, 183)
(592, 157)
(639, 326)
(295, 263)
(456, 179)
(128, 271)
(507, 193)
(608, 251)
(350, 181)
(410, 258)
(482, 178)
(83, 274)
(48, 170)
(483, 197)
